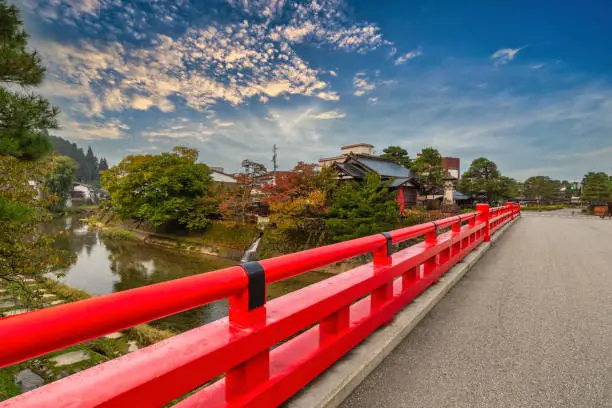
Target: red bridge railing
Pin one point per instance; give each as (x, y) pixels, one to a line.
(263, 352)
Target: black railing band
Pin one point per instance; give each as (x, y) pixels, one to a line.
(436, 225)
(389, 242)
(257, 284)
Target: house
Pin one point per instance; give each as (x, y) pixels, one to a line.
(219, 176)
(355, 166)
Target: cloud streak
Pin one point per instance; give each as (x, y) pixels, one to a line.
(408, 56)
(504, 56)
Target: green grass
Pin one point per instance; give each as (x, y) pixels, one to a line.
(118, 234)
(542, 207)
(64, 291)
(8, 389)
(229, 234)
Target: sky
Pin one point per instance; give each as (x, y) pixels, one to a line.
(525, 84)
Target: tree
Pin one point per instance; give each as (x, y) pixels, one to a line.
(92, 165)
(428, 168)
(161, 188)
(298, 204)
(103, 166)
(360, 209)
(541, 188)
(26, 251)
(483, 175)
(85, 172)
(596, 187)
(398, 155)
(249, 179)
(24, 118)
(59, 180)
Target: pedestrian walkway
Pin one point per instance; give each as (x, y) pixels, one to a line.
(529, 326)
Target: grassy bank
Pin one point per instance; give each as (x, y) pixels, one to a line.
(542, 207)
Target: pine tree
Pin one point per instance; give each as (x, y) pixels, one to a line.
(103, 164)
(91, 163)
(23, 117)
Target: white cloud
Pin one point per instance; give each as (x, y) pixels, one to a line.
(141, 103)
(505, 55)
(333, 73)
(91, 130)
(362, 85)
(333, 114)
(402, 59)
(373, 100)
(253, 59)
(536, 66)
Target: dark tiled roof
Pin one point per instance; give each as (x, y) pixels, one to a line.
(406, 182)
(351, 169)
(385, 168)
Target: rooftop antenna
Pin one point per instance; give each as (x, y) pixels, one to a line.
(274, 163)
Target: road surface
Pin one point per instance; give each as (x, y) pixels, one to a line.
(529, 326)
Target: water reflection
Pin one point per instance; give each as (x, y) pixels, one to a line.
(106, 265)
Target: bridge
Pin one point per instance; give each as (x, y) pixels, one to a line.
(529, 325)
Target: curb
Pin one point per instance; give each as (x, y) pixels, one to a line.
(332, 387)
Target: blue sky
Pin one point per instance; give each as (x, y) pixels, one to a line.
(527, 85)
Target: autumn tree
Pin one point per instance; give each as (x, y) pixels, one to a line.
(298, 203)
(249, 180)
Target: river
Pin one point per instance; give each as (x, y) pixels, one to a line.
(106, 265)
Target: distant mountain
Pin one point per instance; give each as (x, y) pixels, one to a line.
(88, 165)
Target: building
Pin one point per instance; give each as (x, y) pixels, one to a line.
(452, 167)
(363, 149)
(353, 166)
(219, 176)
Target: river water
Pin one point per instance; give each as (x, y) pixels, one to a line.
(106, 265)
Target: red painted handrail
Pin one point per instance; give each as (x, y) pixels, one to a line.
(331, 317)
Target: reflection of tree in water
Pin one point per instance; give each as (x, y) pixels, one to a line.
(72, 235)
(138, 265)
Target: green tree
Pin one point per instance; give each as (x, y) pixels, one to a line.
(360, 209)
(596, 187)
(103, 166)
(483, 175)
(91, 161)
(161, 188)
(398, 155)
(542, 188)
(24, 118)
(428, 168)
(59, 181)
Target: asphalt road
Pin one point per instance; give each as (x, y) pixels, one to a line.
(529, 326)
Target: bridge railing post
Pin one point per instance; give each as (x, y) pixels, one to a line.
(484, 216)
(382, 260)
(247, 309)
(510, 209)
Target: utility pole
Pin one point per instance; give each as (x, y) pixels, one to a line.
(274, 163)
